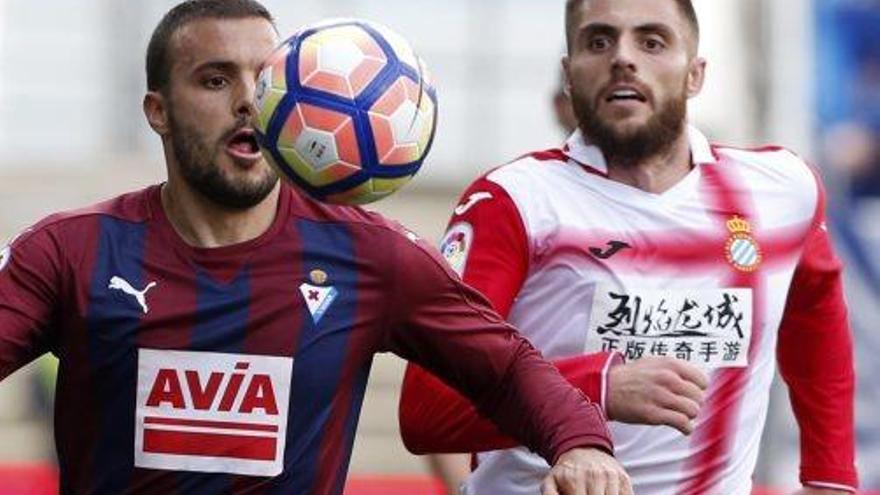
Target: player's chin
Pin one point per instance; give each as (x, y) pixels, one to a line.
(251, 171)
(629, 124)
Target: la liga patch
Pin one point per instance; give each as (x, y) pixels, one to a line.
(457, 244)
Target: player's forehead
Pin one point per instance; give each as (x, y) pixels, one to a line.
(627, 15)
(244, 42)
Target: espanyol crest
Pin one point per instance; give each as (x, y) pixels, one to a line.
(742, 250)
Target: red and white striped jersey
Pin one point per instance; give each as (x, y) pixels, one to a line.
(730, 269)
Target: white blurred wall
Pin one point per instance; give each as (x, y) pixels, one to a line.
(71, 76)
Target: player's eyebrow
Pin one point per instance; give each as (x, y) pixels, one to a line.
(663, 30)
(225, 66)
(600, 28)
(597, 28)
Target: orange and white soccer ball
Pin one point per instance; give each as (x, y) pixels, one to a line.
(346, 111)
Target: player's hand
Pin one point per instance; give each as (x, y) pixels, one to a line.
(656, 391)
(809, 490)
(587, 472)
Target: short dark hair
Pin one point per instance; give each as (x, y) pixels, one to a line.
(686, 7)
(159, 60)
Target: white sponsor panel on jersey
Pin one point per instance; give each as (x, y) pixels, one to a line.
(212, 412)
(710, 328)
(457, 244)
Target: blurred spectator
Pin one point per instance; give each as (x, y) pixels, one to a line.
(848, 76)
(852, 151)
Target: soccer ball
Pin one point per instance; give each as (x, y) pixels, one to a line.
(346, 111)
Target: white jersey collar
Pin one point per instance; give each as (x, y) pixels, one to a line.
(589, 155)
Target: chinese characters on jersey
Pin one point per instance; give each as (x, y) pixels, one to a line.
(708, 328)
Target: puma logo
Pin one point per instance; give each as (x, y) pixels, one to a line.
(471, 201)
(613, 248)
(119, 283)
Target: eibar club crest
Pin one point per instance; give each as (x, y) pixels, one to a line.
(318, 297)
(742, 250)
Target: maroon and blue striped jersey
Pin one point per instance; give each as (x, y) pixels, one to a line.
(242, 369)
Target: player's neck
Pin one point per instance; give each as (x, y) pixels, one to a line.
(201, 223)
(657, 173)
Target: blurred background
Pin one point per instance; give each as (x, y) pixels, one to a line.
(801, 73)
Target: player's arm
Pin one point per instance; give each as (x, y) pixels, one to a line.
(451, 330)
(29, 280)
(487, 244)
(486, 239)
(435, 417)
(815, 357)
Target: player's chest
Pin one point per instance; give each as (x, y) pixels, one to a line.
(277, 305)
(699, 287)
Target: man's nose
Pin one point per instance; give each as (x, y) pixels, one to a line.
(245, 106)
(625, 55)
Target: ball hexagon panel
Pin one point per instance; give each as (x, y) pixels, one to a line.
(402, 49)
(369, 191)
(403, 122)
(324, 149)
(272, 86)
(341, 60)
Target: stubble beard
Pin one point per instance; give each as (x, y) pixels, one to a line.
(628, 148)
(194, 157)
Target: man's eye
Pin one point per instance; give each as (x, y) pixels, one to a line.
(216, 82)
(653, 45)
(599, 43)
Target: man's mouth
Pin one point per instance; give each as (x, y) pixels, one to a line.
(625, 92)
(243, 147)
(243, 144)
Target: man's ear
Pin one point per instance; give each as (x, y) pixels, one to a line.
(156, 111)
(566, 82)
(696, 76)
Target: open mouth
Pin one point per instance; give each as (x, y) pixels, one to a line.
(244, 144)
(626, 94)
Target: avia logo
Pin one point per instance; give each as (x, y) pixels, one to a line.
(614, 247)
(202, 395)
(472, 200)
(120, 284)
(212, 412)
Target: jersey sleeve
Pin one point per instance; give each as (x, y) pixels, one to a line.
(29, 281)
(486, 242)
(451, 330)
(434, 416)
(815, 357)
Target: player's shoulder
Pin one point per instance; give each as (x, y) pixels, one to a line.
(523, 173)
(531, 164)
(772, 159)
(368, 227)
(783, 184)
(82, 222)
